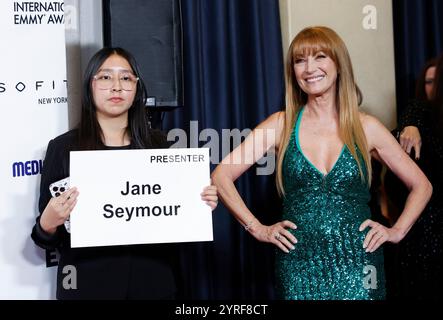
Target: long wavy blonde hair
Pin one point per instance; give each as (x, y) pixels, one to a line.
(309, 41)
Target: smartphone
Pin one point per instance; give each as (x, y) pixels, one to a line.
(56, 189)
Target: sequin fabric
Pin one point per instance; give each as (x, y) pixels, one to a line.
(329, 261)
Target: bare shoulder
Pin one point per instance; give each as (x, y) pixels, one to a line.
(274, 121)
(376, 133)
(271, 128)
(368, 121)
(370, 124)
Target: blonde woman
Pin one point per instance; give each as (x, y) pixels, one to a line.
(327, 240)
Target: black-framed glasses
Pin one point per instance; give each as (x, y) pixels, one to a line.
(106, 80)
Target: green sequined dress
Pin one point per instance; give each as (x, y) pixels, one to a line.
(329, 262)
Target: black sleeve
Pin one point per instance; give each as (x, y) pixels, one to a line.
(159, 139)
(413, 115)
(53, 170)
(43, 239)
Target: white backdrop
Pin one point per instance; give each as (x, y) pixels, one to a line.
(33, 99)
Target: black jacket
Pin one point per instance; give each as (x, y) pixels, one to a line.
(115, 272)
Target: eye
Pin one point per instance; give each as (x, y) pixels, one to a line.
(126, 77)
(320, 56)
(104, 77)
(299, 60)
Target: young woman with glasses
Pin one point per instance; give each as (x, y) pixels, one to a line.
(112, 118)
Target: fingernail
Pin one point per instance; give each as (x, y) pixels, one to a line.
(294, 227)
(295, 241)
(292, 248)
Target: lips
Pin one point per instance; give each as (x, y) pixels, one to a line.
(116, 99)
(314, 79)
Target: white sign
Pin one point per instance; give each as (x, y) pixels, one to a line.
(140, 196)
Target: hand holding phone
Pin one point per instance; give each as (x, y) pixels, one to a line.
(56, 189)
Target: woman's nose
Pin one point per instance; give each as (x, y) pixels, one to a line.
(116, 85)
(310, 65)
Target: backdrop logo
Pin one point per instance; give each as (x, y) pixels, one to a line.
(38, 13)
(36, 86)
(27, 168)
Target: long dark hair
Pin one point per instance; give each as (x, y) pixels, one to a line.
(420, 92)
(90, 132)
(437, 101)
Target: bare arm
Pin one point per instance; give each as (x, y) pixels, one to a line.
(390, 152)
(263, 139)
